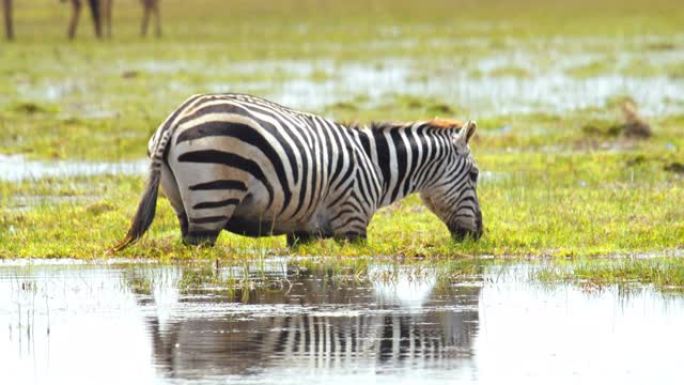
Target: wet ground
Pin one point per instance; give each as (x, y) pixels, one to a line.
(15, 168)
(519, 80)
(291, 321)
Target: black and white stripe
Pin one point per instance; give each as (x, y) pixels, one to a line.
(385, 337)
(253, 167)
(319, 342)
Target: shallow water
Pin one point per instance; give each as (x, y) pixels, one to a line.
(524, 77)
(547, 91)
(474, 88)
(284, 322)
(15, 168)
(477, 85)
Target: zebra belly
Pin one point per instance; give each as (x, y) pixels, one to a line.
(249, 219)
(252, 228)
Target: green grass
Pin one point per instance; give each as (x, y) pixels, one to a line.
(536, 204)
(101, 100)
(664, 274)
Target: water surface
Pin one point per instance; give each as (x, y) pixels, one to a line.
(289, 322)
(16, 168)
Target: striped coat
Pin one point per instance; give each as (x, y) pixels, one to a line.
(253, 167)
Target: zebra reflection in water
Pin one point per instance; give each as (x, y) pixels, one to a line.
(321, 325)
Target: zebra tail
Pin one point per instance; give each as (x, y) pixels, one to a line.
(148, 204)
(145, 213)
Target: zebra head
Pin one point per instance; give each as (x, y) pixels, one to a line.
(453, 197)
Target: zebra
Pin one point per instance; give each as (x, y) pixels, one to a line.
(254, 167)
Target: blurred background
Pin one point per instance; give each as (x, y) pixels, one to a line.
(381, 59)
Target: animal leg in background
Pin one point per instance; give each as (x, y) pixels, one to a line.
(73, 23)
(150, 9)
(106, 16)
(7, 12)
(76, 13)
(97, 18)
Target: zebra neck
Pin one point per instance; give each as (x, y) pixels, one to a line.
(407, 158)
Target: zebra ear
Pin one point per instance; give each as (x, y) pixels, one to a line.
(466, 132)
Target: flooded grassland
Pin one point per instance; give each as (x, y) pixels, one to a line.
(577, 279)
(599, 204)
(560, 175)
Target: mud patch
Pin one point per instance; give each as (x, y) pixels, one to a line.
(675, 167)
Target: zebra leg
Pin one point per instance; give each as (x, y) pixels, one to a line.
(352, 237)
(350, 222)
(300, 237)
(204, 229)
(170, 189)
(199, 236)
(208, 216)
(204, 226)
(351, 230)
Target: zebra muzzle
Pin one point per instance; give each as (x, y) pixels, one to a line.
(459, 232)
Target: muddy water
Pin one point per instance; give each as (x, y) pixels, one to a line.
(285, 322)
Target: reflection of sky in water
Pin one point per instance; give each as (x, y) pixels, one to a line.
(477, 84)
(70, 326)
(16, 168)
(565, 336)
(406, 288)
(306, 328)
(549, 93)
(548, 90)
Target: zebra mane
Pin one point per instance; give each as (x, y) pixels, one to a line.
(438, 123)
(447, 124)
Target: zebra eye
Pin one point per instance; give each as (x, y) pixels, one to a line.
(474, 173)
